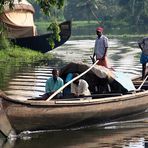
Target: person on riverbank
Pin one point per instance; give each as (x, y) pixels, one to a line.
(143, 45)
(101, 46)
(79, 87)
(53, 84)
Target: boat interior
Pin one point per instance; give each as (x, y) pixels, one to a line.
(101, 87)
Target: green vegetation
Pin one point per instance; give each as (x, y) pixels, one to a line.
(86, 30)
(110, 13)
(23, 54)
(16, 59)
(117, 16)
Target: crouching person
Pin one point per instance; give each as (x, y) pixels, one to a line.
(79, 88)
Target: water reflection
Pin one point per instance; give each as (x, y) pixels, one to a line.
(88, 138)
(28, 84)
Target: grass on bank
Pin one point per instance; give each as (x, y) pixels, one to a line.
(23, 54)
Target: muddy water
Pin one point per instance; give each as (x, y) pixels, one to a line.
(128, 133)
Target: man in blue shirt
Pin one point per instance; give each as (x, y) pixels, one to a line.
(53, 84)
(143, 45)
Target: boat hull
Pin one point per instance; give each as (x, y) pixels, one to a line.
(41, 42)
(42, 115)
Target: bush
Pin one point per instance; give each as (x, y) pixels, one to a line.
(4, 43)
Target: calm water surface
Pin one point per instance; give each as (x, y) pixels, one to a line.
(131, 132)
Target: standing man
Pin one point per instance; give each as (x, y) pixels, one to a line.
(53, 84)
(101, 46)
(143, 45)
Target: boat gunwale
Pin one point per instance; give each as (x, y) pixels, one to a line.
(79, 102)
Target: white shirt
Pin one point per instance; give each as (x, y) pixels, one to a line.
(100, 45)
(81, 88)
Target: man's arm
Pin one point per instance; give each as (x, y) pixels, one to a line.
(93, 58)
(47, 87)
(94, 54)
(140, 44)
(105, 41)
(104, 53)
(83, 87)
(73, 90)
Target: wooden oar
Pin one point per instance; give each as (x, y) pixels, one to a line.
(60, 89)
(142, 83)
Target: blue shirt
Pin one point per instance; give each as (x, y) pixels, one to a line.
(69, 77)
(52, 86)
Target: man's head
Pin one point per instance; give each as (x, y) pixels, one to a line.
(99, 31)
(76, 81)
(55, 74)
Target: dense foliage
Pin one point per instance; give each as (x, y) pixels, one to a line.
(124, 14)
(111, 13)
(131, 12)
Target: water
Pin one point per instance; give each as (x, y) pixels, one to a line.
(131, 132)
(93, 137)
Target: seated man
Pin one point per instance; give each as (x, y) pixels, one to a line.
(79, 87)
(53, 84)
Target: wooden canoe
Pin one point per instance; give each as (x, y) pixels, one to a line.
(73, 112)
(41, 43)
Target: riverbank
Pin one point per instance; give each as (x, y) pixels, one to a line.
(23, 54)
(17, 59)
(86, 29)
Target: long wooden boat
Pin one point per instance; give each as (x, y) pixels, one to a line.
(41, 42)
(105, 105)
